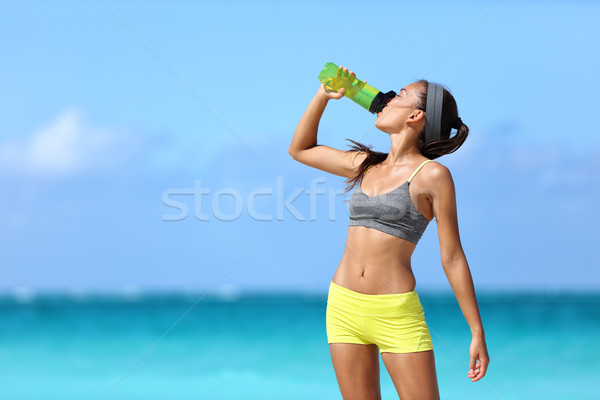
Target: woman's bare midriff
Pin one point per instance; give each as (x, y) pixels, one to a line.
(375, 263)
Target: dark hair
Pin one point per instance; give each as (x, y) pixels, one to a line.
(432, 150)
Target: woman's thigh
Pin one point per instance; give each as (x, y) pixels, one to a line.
(357, 370)
(413, 374)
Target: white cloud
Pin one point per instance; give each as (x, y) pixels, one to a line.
(66, 146)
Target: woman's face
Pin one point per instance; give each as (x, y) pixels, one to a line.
(400, 110)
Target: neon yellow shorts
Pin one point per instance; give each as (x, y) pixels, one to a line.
(394, 322)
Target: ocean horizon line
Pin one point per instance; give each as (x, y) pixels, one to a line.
(30, 294)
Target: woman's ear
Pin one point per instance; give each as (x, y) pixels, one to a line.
(416, 116)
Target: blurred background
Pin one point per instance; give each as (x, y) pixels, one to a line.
(158, 241)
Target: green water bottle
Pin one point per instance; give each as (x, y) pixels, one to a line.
(358, 91)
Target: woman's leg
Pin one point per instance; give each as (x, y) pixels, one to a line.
(413, 374)
(357, 370)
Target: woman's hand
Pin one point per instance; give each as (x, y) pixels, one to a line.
(478, 352)
(328, 93)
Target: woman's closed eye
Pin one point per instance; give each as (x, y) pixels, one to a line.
(400, 92)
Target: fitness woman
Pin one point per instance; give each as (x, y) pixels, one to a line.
(372, 305)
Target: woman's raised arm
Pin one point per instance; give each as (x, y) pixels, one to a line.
(304, 147)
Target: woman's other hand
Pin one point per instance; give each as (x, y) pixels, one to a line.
(478, 352)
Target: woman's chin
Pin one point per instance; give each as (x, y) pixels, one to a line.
(380, 126)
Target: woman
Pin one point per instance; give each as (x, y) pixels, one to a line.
(372, 303)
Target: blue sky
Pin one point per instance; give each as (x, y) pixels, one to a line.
(109, 106)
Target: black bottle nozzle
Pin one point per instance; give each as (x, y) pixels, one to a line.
(380, 101)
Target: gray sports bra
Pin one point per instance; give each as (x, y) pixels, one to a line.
(393, 212)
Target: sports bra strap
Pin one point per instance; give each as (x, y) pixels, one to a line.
(418, 169)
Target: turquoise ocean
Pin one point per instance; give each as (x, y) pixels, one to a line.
(274, 346)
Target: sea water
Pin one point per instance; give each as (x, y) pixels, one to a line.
(274, 346)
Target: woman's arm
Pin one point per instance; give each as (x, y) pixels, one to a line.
(456, 267)
(304, 147)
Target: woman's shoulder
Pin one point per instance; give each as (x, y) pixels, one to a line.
(436, 173)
